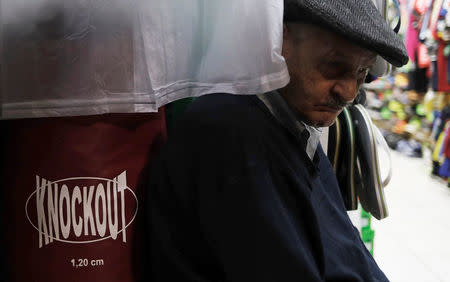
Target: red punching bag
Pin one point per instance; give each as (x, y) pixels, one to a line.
(72, 194)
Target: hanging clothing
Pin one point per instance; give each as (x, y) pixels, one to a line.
(437, 6)
(434, 76)
(412, 37)
(128, 56)
(235, 197)
(437, 156)
(418, 80)
(419, 9)
(442, 65)
(446, 144)
(444, 170)
(423, 59)
(426, 21)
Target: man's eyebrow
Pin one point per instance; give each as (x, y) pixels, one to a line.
(337, 54)
(344, 56)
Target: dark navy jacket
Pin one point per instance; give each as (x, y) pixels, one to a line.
(234, 197)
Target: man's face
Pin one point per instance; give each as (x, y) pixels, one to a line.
(326, 72)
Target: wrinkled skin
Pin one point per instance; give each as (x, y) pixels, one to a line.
(326, 72)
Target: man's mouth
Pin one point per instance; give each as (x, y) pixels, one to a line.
(330, 108)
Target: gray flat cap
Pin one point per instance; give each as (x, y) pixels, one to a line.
(357, 20)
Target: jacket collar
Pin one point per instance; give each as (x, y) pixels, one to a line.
(308, 136)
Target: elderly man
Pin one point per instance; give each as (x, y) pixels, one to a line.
(243, 190)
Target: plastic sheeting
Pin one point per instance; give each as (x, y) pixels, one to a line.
(82, 57)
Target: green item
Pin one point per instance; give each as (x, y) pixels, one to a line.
(367, 236)
(430, 117)
(420, 110)
(386, 113)
(395, 106)
(367, 233)
(364, 214)
(369, 246)
(416, 122)
(402, 115)
(447, 51)
(387, 94)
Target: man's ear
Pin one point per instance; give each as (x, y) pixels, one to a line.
(285, 30)
(286, 40)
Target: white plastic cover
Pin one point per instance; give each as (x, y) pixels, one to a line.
(82, 57)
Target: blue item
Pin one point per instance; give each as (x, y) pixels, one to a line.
(434, 76)
(444, 170)
(448, 68)
(410, 148)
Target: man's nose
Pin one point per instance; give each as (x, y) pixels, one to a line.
(346, 89)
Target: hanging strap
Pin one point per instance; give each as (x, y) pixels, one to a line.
(382, 142)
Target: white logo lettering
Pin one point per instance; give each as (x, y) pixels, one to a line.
(63, 209)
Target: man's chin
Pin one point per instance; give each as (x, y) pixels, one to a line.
(325, 123)
(322, 122)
